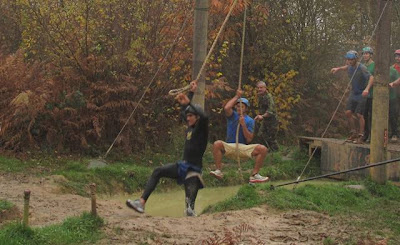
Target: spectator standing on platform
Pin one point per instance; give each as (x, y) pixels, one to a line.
(361, 83)
(367, 53)
(393, 103)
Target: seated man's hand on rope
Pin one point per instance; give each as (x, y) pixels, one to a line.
(241, 121)
(239, 93)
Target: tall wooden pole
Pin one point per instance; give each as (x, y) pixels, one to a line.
(380, 104)
(200, 47)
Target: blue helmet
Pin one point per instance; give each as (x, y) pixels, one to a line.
(352, 54)
(244, 101)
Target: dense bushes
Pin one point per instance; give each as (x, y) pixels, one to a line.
(71, 72)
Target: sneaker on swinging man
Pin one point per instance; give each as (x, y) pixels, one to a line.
(135, 205)
(257, 178)
(190, 212)
(217, 174)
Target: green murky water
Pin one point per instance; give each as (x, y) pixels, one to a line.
(172, 203)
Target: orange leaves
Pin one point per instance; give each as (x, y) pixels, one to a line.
(222, 6)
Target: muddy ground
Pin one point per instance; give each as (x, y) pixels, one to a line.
(261, 225)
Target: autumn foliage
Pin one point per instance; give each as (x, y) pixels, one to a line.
(73, 72)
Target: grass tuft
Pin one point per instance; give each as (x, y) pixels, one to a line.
(5, 205)
(74, 230)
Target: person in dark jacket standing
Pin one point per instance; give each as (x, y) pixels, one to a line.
(267, 116)
(187, 171)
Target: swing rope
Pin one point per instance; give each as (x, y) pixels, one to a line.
(239, 87)
(177, 91)
(177, 38)
(341, 99)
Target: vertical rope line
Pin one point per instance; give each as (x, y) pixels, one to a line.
(150, 83)
(347, 88)
(240, 85)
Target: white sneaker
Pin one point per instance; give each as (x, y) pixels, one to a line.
(217, 174)
(257, 178)
(135, 205)
(190, 212)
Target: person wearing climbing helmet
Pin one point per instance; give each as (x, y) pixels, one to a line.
(242, 105)
(236, 114)
(396, 83)
(267, 117)
(361, 82)
(188, 170)
(393, 96)
(367, 53)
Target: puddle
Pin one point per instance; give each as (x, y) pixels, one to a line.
(172, 203)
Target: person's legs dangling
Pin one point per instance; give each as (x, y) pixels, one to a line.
(192, 186)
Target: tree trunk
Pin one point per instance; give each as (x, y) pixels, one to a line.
(380, 106)
(200, 47)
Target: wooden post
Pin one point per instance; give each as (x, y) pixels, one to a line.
(93, 198)
(27, 196)
(200, 47)
(380, 104)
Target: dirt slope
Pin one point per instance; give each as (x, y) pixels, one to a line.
(261, 225)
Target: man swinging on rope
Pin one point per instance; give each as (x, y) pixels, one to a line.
(234, 117)
(187, 171)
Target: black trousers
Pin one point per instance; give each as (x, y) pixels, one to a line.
(367, 118)
(393, 117)
(192, 185)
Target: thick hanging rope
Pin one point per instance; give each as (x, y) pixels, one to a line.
(177, 91)
(151, 82)
(239, 87)
(341, 99)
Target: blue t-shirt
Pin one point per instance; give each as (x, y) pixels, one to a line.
(232, 123)
(360, 79)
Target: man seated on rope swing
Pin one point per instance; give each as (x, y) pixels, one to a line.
(187, 171)
(236, 113)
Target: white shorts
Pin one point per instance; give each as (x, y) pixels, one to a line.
(244, 150)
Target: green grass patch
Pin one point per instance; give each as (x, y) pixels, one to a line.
(84, 229)
(5, 205)
(375, 208)
(12, 165)
(277, 165)
(111, 179)
(131, 173)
